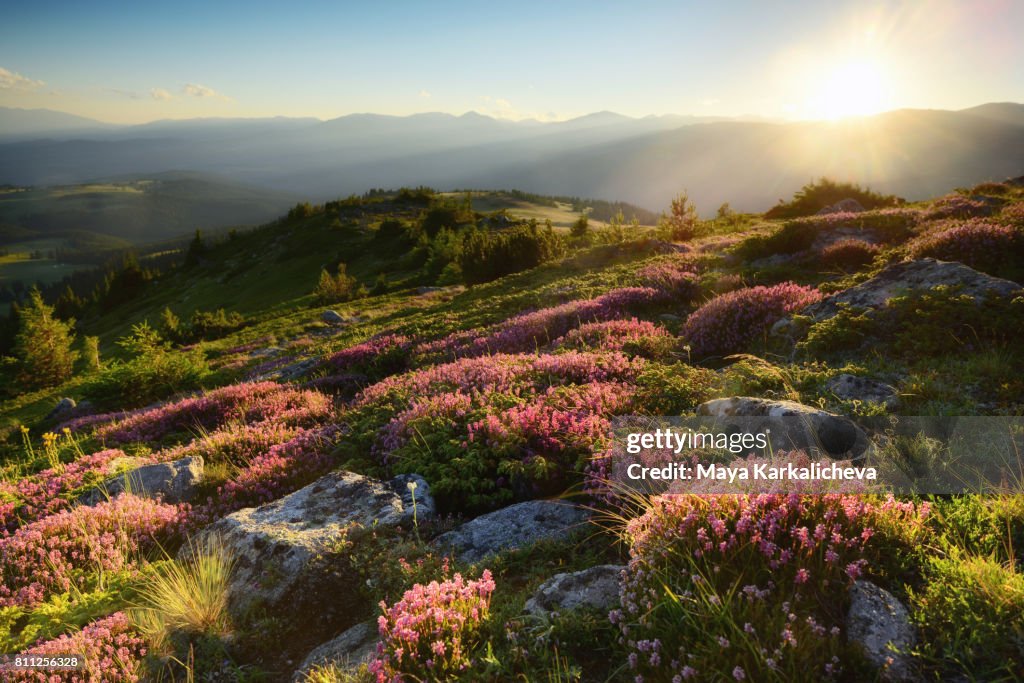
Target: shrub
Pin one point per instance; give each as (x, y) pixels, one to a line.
(793, 237)
(730, 322)
(983, 245)
(958, 206)
(432, 632)
(816, 195)
(728, 587)
(43, 345)
(635, 337)
(73, 547)
(676, 277)
(969, 613)
(487, 255)
(213, 324)
(112, 650)
(377, 357)
(153, 372)
(848, 254)
(337, 287)
(1013, 214)
(682, 221)
(91, 353)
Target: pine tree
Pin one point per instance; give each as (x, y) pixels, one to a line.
(43, 345)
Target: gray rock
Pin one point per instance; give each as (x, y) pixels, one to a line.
(879, 623)
(852, 388)
(596, 587)
(848, 205)
(332, 317)
(283, 548)
(64, 409)
(792, 425)
(912, 276)
(512, 527)
(357, 645)
(174, 482)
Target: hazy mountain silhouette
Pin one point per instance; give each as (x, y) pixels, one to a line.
(750, 163)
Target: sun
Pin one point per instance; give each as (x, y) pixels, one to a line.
(853, 88)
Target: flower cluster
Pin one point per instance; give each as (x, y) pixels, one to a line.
(957, 206)
(676, 276)
(112, 651)
(730, 322)
(723, 585)
(617, 335)
(1013, 213)
(849, 253)
(247, 402)
(527, 332)
(431, 633)
(48, 491)
(383, 354)
(282, 469)
(980, 244)
(58, 551)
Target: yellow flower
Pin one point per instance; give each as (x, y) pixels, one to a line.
(67, 431)
(24, 429)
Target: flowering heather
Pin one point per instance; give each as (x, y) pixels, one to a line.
(1013, 213)
(44, 493)
(501, 373)
(282, 469)
(234, 444)
(616, 335)
(730, 322)
(529, 331)
(957, 206)
(720, 583)
(980, 244)
(112, 651)
(246, 402)
(849, 253)
(431, 633)
(61, 550)
(384, 354)
(676, 277)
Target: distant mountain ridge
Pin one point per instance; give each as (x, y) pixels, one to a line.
(750, 163)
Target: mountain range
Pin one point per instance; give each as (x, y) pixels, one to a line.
(749, 162)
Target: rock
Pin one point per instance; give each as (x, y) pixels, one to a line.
(512, 527)
(848, 205)
(64, 409)
(265, 352)
(879, 623)
(852, 388)
(357, 645)
(332, 317)
(788, 328)
(669, 317)
(174, 482)
(283, 549)
(834, 434)
(596, 587)
(912, 276)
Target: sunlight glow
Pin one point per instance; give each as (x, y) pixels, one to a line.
(853, 88)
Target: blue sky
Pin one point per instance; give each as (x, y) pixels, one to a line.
(139, 61)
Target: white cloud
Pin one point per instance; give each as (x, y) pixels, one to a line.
(202, 91)
(424, 93)
(160, 94)
(10, 80)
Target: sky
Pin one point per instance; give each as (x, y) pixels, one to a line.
(142, 61)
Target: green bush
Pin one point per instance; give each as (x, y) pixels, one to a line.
(816, 195)
(43, 345)
(791, 238)
(337, 287)
(488, 255)
(153, 372)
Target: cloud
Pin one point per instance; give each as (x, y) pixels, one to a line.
(201, 91)
(424, 93)
(710, 101)
(130, 94)
(160, 94)
(10, 80)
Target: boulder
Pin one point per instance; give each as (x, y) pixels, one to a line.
(332, 317)
(283, 549)
(596, 587)
(174, 482)
(852, 388)
(64, 410)
(792, 425)
(357, 645)
(512, 527)
(879, 623)
(911, 276)
(848, 205)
